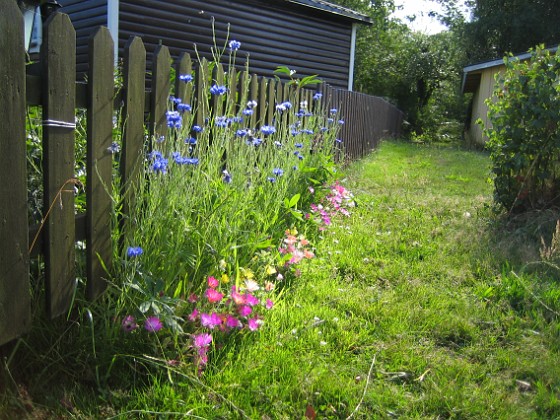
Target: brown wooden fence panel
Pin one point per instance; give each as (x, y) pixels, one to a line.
(161, 87)
(134, 84)
(14, 257)
(184, 90)
(99, 161)
(58, 59)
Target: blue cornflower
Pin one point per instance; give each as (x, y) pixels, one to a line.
(160, 165)
(280, 107)
(155, 155)
(278, 172)
(222, 122)
(299, 145)
(333, 110)
(218, 90)
(338, 140)
(184, 108)
(308, 114)
(197, 128)
(317, 96)
(174, 119)
(257, 142)
(241, 133)
(248, 111)
(300, 113)
(186, 78)
(295, 132)
(160, 139)
(114, 148)
(278, 144)
(268, 129)
(341, 122)
(330, 120)
(134, 251)
(307, 131)
(190, 140)
(226, 177)
(175, 100)
(237, 120)
(323, 129)
(251, 104)
(234, 45)
(295, 168)
(271, 179)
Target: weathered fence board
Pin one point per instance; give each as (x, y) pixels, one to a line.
(58, 58)
(134, 85)
(99, 161)
(14, 257)
(52, 86)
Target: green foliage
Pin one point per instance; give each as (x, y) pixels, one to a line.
(523, 132)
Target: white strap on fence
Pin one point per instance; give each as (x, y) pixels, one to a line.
(60, 124)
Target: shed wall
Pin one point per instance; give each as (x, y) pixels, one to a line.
(480, 109)
(86, 16)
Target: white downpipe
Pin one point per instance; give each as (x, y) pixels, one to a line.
(113, 24)
(352, 56)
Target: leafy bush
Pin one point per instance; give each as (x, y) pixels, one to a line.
(523, 133)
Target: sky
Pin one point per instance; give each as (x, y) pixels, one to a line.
(420, 8)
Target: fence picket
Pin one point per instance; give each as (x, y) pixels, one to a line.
(161, 86)
(58, 59)
(134, 84)
(99, 161)
(183, 90)
(15, 310)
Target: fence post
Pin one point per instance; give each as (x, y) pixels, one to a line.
(134, 85)
(15, 310)
(58, 60)
(99, 161)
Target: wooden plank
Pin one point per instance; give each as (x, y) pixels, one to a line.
(99, 165)
(58, 58)
(202, 92)
(261, 107)
(270, 101)
(14, 258)
(134, 84)
(218, 100)
(184, 90)
(161, 86)
(253, 96)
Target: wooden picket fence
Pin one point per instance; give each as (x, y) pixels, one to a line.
(55, 90)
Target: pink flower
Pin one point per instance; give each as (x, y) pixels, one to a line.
(202, 340)
(213, 295)
(193, 298)
(245, 310)
(251, 300)
(210, 320)
(269, 304)
(129, 323)
(253, 324)
(237, 297)
(311, 190)
(308, 254)
(193, 315)
(153, 324)
(213, 282)
(233, 322)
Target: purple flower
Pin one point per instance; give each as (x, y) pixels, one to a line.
(251, 300)
(202, 340)
(268, 130)
(299, 145)
(307, 131)
(174, 119)
(153, 324)
(338, 140)
(184, 108)
(245, 310)
(190, 140)
(129, 323)
(186, 78)
(114, 148)
(333, 111)
(317, 96)
(241, 133)
(210, 320)
(226, 177)
(234, 45)
(218, 90)
(222, 122)
(269, 304)
(134, 251)
(197, 128)
(341, 122)
(271, 179)
(253, 324)
(233, 322)
(278, 172)
(252, 104)
(248, 111)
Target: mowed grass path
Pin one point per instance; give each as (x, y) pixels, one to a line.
(420, 305)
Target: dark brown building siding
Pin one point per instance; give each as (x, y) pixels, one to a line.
(272, 33)
(86, 16)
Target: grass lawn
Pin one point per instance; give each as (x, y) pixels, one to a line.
(422, 304)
